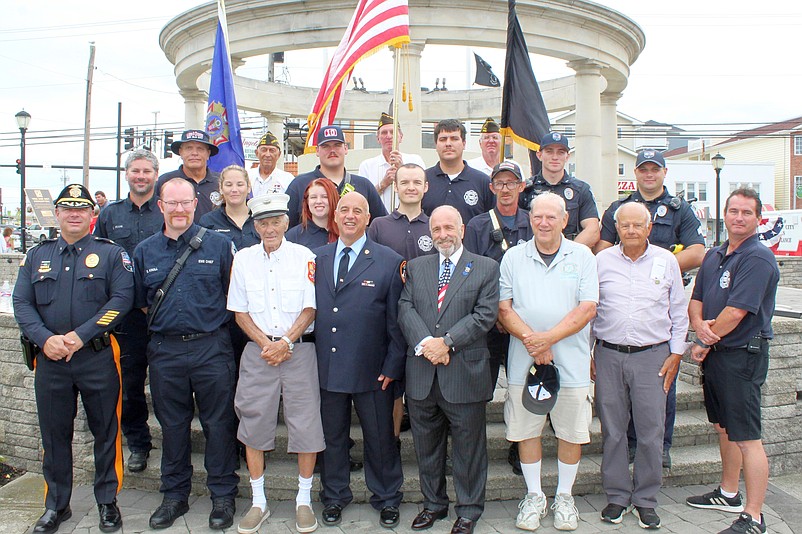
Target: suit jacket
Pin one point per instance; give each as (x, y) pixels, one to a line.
(357, 337)
(469, 311)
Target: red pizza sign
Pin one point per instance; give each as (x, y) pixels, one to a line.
(627, 185)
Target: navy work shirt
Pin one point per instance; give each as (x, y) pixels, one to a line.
(408, 238)
(219, 221)
(86, 287)
(312, 237)
(578, 196)
(479, 234)
(207, 190)
(196, 302)
(127, 224)
(360, 184)
(673, 221)
(469, 192)
(746, 279)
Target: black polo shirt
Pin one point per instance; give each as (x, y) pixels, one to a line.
(469, 192)
(207, 190)
(408, 238)
(311, 237)
(578, 196)
(127, 224)
(479, 234)
(219, 221)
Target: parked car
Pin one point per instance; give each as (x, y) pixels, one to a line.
(36, 233)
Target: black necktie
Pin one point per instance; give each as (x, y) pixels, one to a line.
(343, 269)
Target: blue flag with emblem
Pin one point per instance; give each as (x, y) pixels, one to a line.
(222, 120)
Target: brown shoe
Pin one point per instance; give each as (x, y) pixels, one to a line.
(462, 525)
(253, 520)
(305, 520)
(427, 518)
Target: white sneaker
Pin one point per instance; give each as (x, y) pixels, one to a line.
(532, 509)
(565, 512)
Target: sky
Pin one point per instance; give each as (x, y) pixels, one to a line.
(712, 64)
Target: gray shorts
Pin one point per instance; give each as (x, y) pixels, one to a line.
(259, 390)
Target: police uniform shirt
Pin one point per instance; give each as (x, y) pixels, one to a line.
(196, 302)
(469, 193)
(746, 279)
(273, 289)
(127, 224)
(408, 238)
(278, 182)
(207, 190)
(219, 221)
(360, 185)
(86, 287)
(578, 196)
(311, 237)
(670, 226)
(479, 234)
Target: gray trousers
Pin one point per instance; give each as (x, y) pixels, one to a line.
(624, 380)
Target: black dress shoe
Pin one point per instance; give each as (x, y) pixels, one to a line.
(110, 518)
(138, 461)
(222, 515)
(332, 515)
(167, 512)
(51, 519)
(426, 519)
(389, 516)
(462, 525)
(354, 465)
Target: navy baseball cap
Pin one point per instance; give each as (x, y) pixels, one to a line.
(650, 156)
(509, 166)
(540, 391)
(330, 133)
(554, 138)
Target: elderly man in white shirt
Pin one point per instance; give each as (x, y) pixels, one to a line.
(272, 294)
(267, 177)
(640, 330)
(490, 145)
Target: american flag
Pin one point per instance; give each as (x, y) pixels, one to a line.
(375, 24)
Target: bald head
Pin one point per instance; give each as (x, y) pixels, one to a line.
(352, 217)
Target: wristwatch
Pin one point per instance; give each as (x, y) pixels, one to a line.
(449, 342)
(697, 341)
(289, 342)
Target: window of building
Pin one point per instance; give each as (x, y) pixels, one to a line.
(571, 169)
(798, 145)
(620, 169)
(569, 131)
(701, 193)
(620, 132)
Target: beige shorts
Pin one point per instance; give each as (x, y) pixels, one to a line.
(570, 417)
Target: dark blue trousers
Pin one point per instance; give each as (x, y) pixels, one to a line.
(133, 339)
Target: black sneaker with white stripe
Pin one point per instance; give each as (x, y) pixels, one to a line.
(745, 524)
(716, 501)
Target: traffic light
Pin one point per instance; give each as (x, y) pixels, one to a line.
(19, 166)
(129, 138)
(168, 140)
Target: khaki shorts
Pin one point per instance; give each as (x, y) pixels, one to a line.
(570, 417)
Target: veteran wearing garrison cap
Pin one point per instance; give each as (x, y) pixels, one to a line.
(70, 293)
(490, 144)
(269, 176)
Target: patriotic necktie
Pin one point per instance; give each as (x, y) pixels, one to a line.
(442, 284)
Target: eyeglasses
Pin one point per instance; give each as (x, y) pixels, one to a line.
(173, 204)
(509, 186)
(632, 226)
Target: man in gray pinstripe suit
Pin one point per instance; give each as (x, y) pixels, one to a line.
(449, 303)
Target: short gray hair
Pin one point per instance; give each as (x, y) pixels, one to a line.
(546, 197)
(141, 153)
(640, 206)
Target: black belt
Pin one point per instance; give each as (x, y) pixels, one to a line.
(628, 349)
(306, 338)
(720, 348)
(187, 337)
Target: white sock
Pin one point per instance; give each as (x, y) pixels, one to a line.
(727, 494)
(304, 491)
(566, 475)
(258, 491)
(532, 477)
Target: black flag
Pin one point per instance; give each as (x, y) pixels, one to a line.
(523, 113)
(484, 73)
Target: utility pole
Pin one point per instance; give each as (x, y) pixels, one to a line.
(89, 74)
(119, 140)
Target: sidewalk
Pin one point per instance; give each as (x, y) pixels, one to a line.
(21, 505)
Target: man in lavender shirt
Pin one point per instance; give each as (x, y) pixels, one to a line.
(640, 330)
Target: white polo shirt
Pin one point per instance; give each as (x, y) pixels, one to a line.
(273, 289)
(542, 296)
(374, 170)
(277, 182)
(480, 165)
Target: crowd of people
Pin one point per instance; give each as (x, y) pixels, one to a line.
(244, 293)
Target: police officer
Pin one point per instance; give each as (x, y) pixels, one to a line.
(583, 217)
(674, 227)
(127, 222)
(195, 149)
(70, 293)
(189, 353)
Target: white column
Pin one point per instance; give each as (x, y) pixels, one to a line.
(410, 120)
(608, 192)
(194, 108)
(588, 153)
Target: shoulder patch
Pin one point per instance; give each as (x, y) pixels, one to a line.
(310, 271)
(127, 263)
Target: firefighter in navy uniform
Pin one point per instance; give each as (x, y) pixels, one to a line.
(675, 228)
(583, 216)
(70, 293)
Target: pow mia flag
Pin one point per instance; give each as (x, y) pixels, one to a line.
(484, 73)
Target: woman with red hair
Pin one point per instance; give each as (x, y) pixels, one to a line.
(317, 226)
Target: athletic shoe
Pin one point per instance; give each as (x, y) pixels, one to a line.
(746, 524)
(532, 509)
(614, 513)
(647, 518)
(565, 512)
(253, 520)
(716, 501)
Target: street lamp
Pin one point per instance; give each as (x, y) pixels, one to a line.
(718, 164)
(23, 120)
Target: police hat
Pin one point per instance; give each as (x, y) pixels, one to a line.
(271, 205)
(330, 133)
(650, 156)
(270, 140)
(508, 165)
(490, 126)
(74, 196)
(554, 138)
(198, 136)
(540, 391)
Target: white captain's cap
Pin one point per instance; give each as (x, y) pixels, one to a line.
(271, 205)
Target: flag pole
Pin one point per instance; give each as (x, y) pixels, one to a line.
(396, 83)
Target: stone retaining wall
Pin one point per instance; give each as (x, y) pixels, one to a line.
(790, 271)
